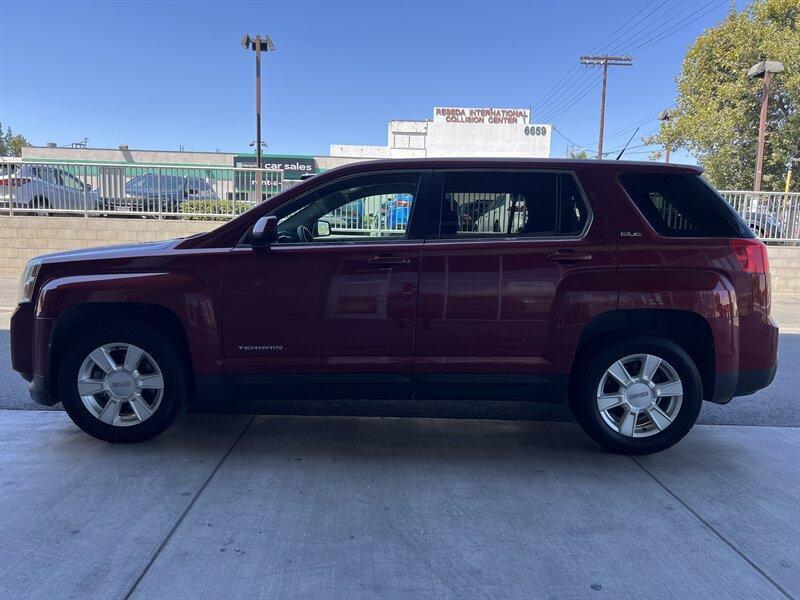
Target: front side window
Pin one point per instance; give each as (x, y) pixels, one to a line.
(510, 204)
(356, 209)
(70, 181)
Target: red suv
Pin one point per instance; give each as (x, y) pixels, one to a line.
(630, 290)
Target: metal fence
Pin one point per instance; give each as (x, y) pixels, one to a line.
(773, 216)
(103, 189)
(221, 193)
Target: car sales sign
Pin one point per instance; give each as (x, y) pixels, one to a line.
(293, 167)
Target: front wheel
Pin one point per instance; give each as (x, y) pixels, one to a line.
(123, 382)
(639, 395)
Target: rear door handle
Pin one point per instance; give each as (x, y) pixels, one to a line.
(387, 262)
(568, 256)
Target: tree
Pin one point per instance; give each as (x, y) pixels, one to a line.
(573, 152)
(10, 144)
(718, 106)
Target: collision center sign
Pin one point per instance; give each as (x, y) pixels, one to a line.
(492, 116)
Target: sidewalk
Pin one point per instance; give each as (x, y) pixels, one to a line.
(308, 507)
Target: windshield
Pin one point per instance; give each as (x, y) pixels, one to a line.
(154, 182)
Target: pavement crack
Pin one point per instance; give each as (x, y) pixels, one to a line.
(713, 530)
(186, 510)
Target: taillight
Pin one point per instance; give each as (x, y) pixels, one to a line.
(752, 255)
(14, 182)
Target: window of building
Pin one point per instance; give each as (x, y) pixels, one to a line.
(402, 140)
(416, 141)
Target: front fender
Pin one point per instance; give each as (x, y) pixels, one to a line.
(186, 295)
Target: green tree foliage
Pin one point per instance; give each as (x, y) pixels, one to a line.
(577, 153)
(10, 144)
(718, 106)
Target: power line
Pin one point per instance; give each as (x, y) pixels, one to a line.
(575, 99)
(616, 48)
(659, 21)
(630, 128)
(681, 24)
(558, 131)
(577, 86)
(548, 96)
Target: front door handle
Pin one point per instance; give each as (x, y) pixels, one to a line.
(387, 262)
(569, 256)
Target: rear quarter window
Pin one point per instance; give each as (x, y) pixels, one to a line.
(682, 205)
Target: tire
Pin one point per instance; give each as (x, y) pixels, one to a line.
(41, 205)
(660, 419)
(130, 422)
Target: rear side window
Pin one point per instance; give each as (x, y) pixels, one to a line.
(682, 205)
(511, 204)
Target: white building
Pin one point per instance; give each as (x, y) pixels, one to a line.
(460, 132)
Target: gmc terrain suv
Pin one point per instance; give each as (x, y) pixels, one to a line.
(632, 291)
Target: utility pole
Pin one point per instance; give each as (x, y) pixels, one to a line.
(664, 116)
(792, 161)
(605, 61)
(763, 70)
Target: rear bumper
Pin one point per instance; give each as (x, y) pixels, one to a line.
(752, 381)
(757, 359)
(741, 383)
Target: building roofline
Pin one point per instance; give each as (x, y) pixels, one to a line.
(450, 162)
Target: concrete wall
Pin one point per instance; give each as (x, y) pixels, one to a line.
(784, 263)
(115, 155)
(22, 238)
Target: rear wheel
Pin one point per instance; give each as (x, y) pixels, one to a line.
(639, 395)
(123, 382)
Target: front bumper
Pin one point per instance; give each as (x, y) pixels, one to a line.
(37, 388)
(23, 355)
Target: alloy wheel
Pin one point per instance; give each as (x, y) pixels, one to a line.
(120, 384)
(639, 395)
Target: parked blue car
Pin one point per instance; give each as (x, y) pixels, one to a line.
(397, 211)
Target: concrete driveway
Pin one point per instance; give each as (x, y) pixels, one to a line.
(343, 507)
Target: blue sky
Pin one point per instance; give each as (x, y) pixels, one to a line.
(167, 74)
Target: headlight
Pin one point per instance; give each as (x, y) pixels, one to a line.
(28, 280)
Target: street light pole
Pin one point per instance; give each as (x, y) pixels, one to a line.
(764, 69)
(664, 116)
(258, 101)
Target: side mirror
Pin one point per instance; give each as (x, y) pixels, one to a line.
(323, 229)
(265, 232)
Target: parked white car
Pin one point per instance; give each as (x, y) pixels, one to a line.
(43, 189)
(495, 219)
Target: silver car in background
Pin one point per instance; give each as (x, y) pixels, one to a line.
(42, 190)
